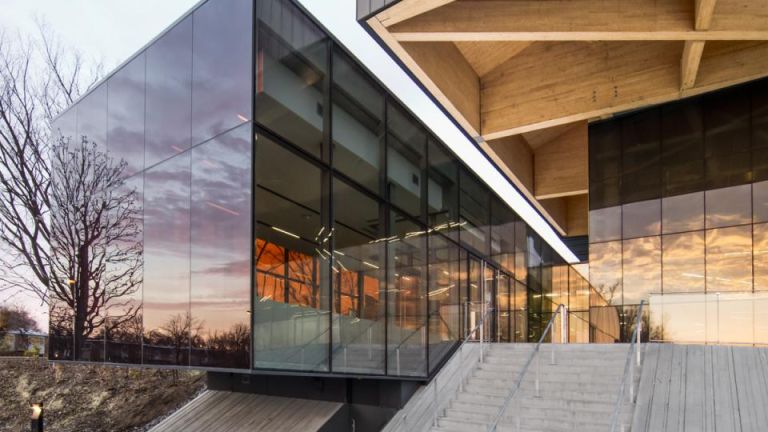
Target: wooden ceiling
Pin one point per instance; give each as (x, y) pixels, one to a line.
(524, 77)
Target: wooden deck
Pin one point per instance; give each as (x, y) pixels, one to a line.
(215, 411)
(696, 388)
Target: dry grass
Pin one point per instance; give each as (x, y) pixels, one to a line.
(84, 398)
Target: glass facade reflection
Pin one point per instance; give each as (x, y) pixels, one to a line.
(693, 232)
(287, 214)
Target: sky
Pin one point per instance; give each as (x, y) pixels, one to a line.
(103, 31)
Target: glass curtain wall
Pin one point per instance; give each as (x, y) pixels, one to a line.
(328, 231)
(167, 282)
(677, 209)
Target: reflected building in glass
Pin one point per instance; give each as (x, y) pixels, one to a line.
(269, 208)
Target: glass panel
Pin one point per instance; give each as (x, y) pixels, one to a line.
(291, 73)
(605, 224)
(683, 148)
(730, 206)
(504, 319)
(682, 213)
(92, 118)
(759, 164)
(760, 202)
(125, 276)
(443, 190)
(760, 236)
(221, 218)
(678, 317)
(521, 252)
(221, 67)
(444, 298)
(641, 156)
(727, 138)
(125, 135)
(761, 318)
(641, 219)
(503, 235)
(65, 126)
(728, 170)
(730, 318)
(605, 270)
(291, 305)
(729, 259)
(642, 268)
(167, 321)
(358, 283)
(61, 330)
(604, 193)
(683, 262)
(726, 122)
(604, 324)
(169, 94)
(62, 292)
(521, 314)
(578, 291)
(578, 327)
(475, 209)
(760, 131)
(407, 314)
(406, 161)
(358, 123)
(604, 150)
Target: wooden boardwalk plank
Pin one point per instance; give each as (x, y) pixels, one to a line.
(660, 402)
(646, 388)
(695, 390)
(216, 411)
(676, 400)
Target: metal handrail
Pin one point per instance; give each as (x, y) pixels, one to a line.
(460, 349)
(561, 309)
(629, 368)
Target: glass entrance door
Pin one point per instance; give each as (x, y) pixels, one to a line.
(481, 298)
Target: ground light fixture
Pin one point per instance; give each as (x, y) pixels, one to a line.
(36, 419)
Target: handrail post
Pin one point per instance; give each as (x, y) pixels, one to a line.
(629, 371)
(482, 330)
(639, 331)
(564, 324)
(461, 368)
(434, 421)
(538, 373)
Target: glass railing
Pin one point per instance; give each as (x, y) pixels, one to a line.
(727, 318)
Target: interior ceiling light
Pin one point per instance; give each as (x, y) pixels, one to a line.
(341, 22)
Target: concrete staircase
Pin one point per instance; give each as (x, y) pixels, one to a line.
(576, 393)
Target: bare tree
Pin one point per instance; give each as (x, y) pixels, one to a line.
(38, 79)
(16, 318)
(69, 225)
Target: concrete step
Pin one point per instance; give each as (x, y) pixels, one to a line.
(558, 374)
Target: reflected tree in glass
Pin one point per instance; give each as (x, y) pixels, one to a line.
(96, 247)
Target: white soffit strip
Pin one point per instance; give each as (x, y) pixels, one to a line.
(339, 17)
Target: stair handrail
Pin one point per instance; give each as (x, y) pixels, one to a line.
(433, 385)
(629, 368)
(479, 326)
(563, 311)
